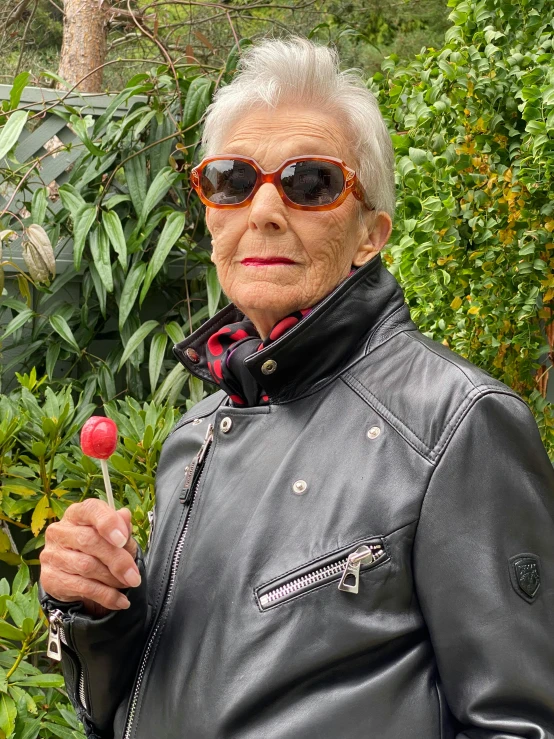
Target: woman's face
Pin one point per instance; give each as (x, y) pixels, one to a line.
(317, 248)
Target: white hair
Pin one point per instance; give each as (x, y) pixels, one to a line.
(297, 70)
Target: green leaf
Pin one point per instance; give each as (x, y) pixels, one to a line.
(114, 229)
(30, 730)
(71, 199)
(135, 174)
(21, 580)
(100, 250)
(47, 680)
(8, 714)
(176, 378)
(197, 100)
(130, 291)
(11, 131)
(165, 178)
(16, 613)
(155, 359)
(52, 354)
(7, 631)
(17, 322)
(19, 84)
(214, 290)
(38, 205)
(116, 200)
(171, 232)
(136, 340)
(99, 287)
(83, 223)
(61, 327)
(79, 125)
(175, 332)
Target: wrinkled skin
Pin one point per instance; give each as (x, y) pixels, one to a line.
(323, 244)
(89, 556)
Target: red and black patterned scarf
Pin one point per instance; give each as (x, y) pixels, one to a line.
(228, 347)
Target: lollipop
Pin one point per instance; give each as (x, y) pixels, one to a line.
(99, 440)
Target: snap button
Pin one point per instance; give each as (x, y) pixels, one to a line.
(192, 354)
(374, 432)
(269, 367)
(196, 421)
(226, 424)
(299, 487)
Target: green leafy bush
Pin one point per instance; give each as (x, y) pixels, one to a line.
(473, 245)
(42, 471)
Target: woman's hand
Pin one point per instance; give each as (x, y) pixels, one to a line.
(89, 555)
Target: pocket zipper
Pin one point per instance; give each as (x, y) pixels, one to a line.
(347, 568)
(57, 637)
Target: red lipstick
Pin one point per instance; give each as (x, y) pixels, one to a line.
(265, 261)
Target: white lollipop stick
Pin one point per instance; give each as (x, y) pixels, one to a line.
(107, 483)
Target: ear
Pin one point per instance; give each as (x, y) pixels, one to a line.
(377, 228)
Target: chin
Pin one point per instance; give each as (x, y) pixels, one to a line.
(265, 297)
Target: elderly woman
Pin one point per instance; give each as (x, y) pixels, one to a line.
(354, 536)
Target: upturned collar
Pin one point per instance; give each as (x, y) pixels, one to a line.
(357, 314)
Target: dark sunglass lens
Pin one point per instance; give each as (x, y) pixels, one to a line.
(310, 182)
(227, 181)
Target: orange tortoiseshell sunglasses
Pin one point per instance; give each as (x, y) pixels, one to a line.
(309, 182)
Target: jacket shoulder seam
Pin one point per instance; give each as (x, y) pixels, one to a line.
(431, 454)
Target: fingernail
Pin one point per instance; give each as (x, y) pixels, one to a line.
(122, 602)
(132, 577)
(117, 538)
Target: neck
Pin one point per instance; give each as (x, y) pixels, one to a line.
(264, 321)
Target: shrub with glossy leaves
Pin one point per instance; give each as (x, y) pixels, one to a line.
(473, 128)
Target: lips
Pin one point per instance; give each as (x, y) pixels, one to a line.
(265, 261)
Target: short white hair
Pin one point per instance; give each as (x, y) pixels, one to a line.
(276, 71)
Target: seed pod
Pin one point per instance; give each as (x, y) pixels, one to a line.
(39, 254)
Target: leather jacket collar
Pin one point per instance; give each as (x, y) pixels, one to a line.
(314, 350)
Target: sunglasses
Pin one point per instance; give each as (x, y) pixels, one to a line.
(303, 182)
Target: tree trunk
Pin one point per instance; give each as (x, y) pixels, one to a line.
(84, 44)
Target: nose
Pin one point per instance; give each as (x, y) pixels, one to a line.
(267, 211)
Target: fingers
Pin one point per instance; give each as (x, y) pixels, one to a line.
(84, 565)
(73, 587)
(97, 513)
(61, 538)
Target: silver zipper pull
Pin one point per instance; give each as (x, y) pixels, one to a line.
(55, 630)
(207, 441)
(362, 555)
(195, 465)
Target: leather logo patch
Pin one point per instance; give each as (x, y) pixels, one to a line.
(525, 575)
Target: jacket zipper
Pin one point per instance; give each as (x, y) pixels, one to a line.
(347, 568)
(188, 495)
(57, 637)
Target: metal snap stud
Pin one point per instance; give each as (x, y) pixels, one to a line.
(226, 424)
(269, 367)
(299, 487)
(196, 421)
(193, 355)
(374, 432)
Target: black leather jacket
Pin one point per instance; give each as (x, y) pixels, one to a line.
(384, 464)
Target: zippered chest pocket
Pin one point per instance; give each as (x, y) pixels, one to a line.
(343, 567)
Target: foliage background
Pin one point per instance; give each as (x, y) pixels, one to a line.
(472, 122)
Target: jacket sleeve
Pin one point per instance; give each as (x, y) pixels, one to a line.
(484, 573)
(100, 655)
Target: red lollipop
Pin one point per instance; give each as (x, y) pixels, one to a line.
(99, 440)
